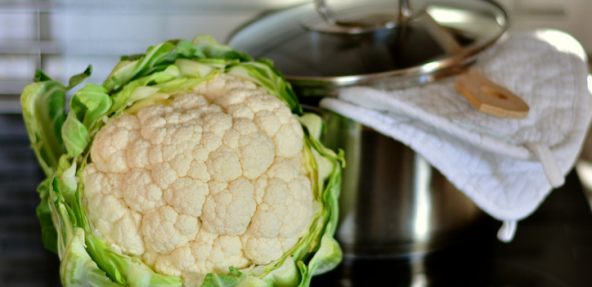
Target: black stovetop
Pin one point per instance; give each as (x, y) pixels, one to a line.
(24, 262)
(553, 247)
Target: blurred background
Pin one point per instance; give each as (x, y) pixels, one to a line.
(63, 37)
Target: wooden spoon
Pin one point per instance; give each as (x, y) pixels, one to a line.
(480, 91)
(489, 97)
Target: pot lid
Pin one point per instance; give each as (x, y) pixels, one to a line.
(317, 60)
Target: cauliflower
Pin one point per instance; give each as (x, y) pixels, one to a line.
(214, 179)
(190, 165)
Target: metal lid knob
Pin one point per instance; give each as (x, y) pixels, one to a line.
(356, 26)
(361, 25)
(374, 22)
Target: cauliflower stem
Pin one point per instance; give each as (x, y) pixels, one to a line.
(196, 116)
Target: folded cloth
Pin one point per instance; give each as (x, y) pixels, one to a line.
(506, 166)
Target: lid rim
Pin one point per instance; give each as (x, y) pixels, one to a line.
(462, 60)
(425, 69)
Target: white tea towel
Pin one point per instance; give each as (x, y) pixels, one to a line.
(504, 165)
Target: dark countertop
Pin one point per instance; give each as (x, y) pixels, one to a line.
(23, 259)
(553, 247)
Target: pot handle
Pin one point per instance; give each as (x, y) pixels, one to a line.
(405, 11)
(324, 12)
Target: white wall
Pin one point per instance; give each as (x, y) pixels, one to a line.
(571, 16)
(63, 37)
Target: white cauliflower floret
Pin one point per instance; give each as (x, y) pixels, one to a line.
(224, 165)
(109, 152)
(113, 220)
(164, 229)
(285, 209)
(262, 250)
(187, 196)
(229, 211)
(140, 192)
(214, 179)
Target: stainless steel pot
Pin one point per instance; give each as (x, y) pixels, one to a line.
(392, 201)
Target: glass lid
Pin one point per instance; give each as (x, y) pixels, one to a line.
(308, 53)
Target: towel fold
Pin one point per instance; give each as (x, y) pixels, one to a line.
(506, 166)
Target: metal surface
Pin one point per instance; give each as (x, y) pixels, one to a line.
(442, 36)
(375, 22)
(319, 64)
(392, 201)
(331, 24)
(405, 11)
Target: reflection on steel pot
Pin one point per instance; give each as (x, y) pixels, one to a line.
(392, 202)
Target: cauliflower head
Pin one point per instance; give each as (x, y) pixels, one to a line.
(215, 178)
(191, 165)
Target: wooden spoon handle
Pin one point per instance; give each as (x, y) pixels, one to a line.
(489, 97)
